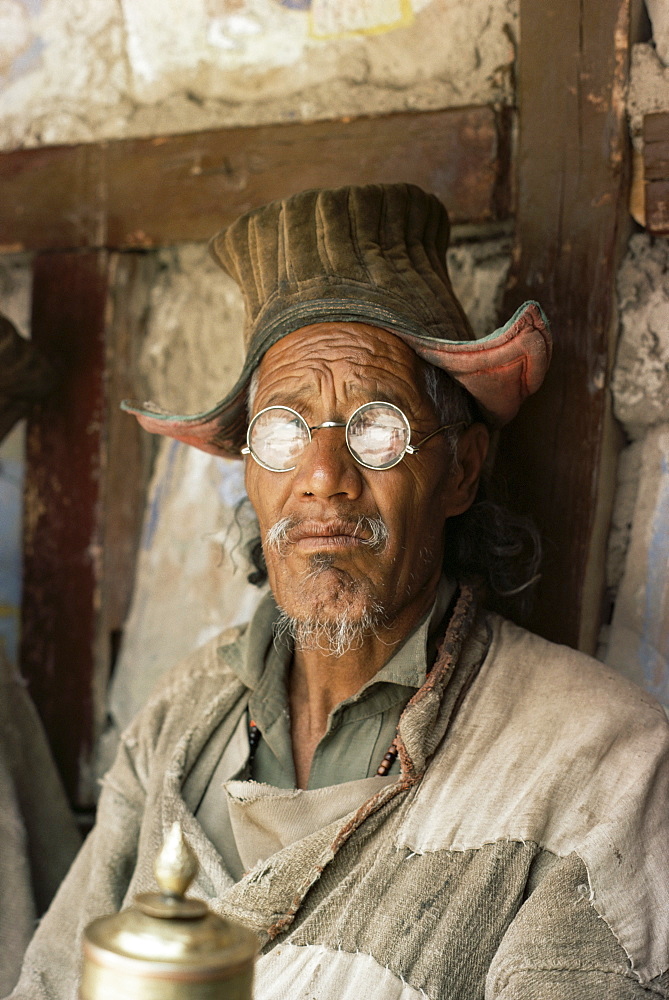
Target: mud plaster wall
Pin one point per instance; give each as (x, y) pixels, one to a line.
(81, 70)
(637, 640)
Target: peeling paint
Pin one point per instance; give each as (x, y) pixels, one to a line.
(343, 18)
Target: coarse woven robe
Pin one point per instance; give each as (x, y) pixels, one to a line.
(523, 852)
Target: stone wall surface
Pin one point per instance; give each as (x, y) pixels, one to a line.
(658, 11)
(648, 88)
(637, 640)
(641, 377)
(193, 349)
(82, 70)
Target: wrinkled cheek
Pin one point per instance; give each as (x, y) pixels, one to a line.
(265, 491)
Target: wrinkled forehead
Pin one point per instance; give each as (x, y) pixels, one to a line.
(345, 361)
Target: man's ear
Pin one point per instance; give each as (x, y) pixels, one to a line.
(472, 451)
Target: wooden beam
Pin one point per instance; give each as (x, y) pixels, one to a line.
(571, 223)
(161, 191)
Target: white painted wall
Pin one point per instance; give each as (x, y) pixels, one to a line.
(637, 640)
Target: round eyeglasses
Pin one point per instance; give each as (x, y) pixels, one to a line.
(378, 435)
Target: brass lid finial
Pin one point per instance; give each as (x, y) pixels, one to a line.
(176, 865)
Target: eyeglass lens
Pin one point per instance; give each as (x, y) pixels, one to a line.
(277, 438)
(377, 435)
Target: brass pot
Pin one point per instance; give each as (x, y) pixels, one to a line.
(167, 946)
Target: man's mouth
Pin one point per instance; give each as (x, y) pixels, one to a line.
(325, 535)
(328, 534)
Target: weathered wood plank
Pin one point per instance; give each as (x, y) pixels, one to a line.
(571, 221)
(657, 207)
(87, 472)
(151, 192)
(62, 536)
(656, 171)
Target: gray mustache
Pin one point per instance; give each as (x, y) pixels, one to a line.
(277, 538)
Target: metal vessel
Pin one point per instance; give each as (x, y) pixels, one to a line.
(168, 946)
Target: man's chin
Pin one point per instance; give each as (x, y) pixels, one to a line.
(326, 593)
(330, 607)
(320, 584)
(332, 631)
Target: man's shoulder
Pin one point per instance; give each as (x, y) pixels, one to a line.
(580, 759)
(186, 693)
(547, 745)
(207, 666)
(550, 748)
(556, 682)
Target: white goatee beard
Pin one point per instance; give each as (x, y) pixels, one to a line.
(334, 638)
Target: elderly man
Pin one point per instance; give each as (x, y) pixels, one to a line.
(404, 795)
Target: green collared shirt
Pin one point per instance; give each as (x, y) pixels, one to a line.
(360, 729)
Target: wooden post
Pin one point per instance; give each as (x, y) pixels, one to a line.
(559, 454)
(62, 537)
(85, 478)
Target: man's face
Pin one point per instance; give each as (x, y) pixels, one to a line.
(322, 567)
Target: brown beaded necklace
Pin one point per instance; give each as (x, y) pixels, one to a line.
(382, 770)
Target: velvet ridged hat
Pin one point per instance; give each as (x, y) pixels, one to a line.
(374, 254)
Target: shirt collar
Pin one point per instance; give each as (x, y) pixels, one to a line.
(410, 662)
(407, 666)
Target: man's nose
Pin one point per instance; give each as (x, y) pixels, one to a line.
(327, 468)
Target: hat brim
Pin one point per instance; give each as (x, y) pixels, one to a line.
(500, 371)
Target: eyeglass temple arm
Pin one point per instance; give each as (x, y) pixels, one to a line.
(412, 449)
